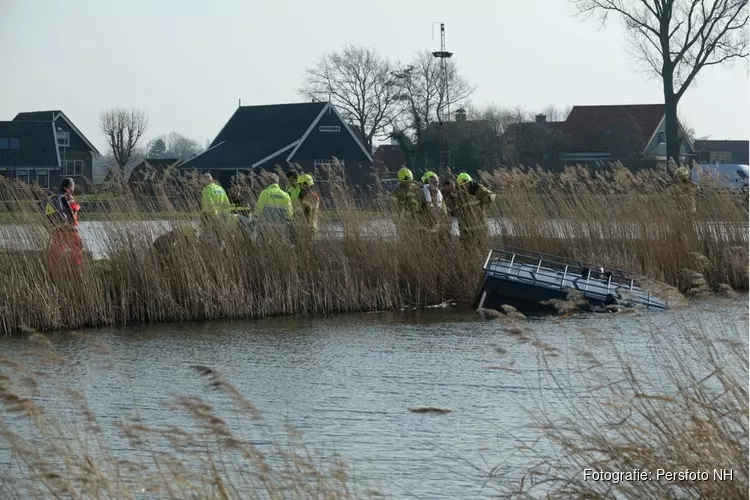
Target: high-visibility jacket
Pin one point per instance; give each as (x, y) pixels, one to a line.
(293, 192)
(214, 200)
(274, 205)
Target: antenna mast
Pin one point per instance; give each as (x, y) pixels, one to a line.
(443, 110)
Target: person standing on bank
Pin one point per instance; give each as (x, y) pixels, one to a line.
(61, 211)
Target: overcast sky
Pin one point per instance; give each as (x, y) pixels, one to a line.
(187, 62)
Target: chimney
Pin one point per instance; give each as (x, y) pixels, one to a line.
(541, 118)
(461, 115)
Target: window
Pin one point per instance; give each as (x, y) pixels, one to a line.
(721, 157)
(329, 128)
(662, 137)
(14, 143)
(4, 143)
(42, 178)
(63, 138)
(23, 175)
(72, 167)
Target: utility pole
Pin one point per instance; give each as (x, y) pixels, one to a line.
(444, 110)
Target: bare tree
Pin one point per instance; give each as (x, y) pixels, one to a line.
(359, 83)
(426, 91)
(123, 129)
(677, 39)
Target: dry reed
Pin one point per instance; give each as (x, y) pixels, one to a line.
(70, 454)
(612, 216)
(616, 415)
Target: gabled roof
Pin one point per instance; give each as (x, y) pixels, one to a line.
(38, 145)
(740, 150)
(585, 120)
(53, 115)
(257, 134)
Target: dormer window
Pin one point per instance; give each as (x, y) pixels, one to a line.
(63, 138)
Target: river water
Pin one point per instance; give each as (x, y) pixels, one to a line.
(98, 236)
(347, 383)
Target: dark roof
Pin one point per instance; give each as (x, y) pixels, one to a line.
(740, 149)
(584, 120)
(52, 115)
(256, 132)
(521, 127)
(38, 145)
(391, 155)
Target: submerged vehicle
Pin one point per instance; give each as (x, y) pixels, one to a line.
(532, 282)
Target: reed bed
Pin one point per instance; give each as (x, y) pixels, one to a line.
(636, 221)
(670, 424)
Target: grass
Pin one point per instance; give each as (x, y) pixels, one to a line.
(691, 414)
(244, 277)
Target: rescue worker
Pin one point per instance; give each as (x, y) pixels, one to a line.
(434, 211)
(214, 200)
(216, 210)
(408, 194)
(471, 200)
(407, 197)
(62, 215)
(309, 201)
(274, 207)
(292, 179)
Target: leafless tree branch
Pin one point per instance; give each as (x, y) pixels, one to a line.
(123, 130)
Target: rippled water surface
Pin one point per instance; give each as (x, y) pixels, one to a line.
(347, 383)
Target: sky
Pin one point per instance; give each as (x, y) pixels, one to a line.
(188, 62)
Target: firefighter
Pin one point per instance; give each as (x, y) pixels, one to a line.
(309, 201)
(471, 200)
(407, 197)
(274, 209)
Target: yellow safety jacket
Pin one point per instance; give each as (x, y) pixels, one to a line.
(293, 192)
(274, 205)
(214, 200)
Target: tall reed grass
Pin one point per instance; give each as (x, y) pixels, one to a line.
(668, 424)
(634, 221)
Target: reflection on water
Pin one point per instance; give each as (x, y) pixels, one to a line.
(347, 382)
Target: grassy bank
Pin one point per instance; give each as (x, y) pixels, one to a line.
(619, 416)
(245, 278)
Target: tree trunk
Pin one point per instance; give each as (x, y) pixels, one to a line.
(670, 120)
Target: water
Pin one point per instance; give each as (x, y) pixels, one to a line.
(98, 236)
(347, 383)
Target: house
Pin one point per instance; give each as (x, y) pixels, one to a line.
(76, 151)
(262, 137)
(722, 152)
(629, 133)
(29, 152)
(535, 143)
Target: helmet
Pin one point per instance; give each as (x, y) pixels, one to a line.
(682, 173)
(305, 181)
(427, 175)
(463, 178)
(405, 175)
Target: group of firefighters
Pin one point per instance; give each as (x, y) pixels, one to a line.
(422, 208)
